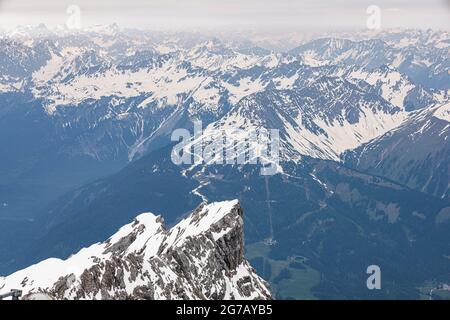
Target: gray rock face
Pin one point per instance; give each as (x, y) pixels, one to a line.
(202, 257)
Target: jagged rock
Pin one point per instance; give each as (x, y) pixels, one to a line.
(202, 257)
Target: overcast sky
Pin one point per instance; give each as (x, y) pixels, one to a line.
(278, 14)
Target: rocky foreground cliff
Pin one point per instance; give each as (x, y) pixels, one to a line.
(202, 257)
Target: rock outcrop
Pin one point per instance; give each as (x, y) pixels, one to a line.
(202, 257)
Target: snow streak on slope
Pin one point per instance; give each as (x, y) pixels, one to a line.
(443, 112)
(199, 258)
(394, 87)
(321, 120)
(338, 137)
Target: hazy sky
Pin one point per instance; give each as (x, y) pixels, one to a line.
(290, 14)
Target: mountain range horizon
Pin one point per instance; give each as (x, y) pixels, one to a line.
(362, 178)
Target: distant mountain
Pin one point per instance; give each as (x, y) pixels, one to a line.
(321, 119)
(422, 56)
(199, 258)
(106, 96)
(416, 154)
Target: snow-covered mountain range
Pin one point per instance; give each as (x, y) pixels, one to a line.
(86, 118)
(135, 88)
(202, 257)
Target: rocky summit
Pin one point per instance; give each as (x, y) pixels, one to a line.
(201, 257)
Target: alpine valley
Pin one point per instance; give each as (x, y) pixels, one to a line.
(86, 119)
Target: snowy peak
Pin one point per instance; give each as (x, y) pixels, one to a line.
(199, 258)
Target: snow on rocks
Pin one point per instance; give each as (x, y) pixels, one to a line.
(199, 258)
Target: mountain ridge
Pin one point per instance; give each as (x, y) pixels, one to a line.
(199, 258)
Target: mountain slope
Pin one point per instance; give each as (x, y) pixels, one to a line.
(416, 154)
(321, 120)
(335, 221)
(199, 258)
